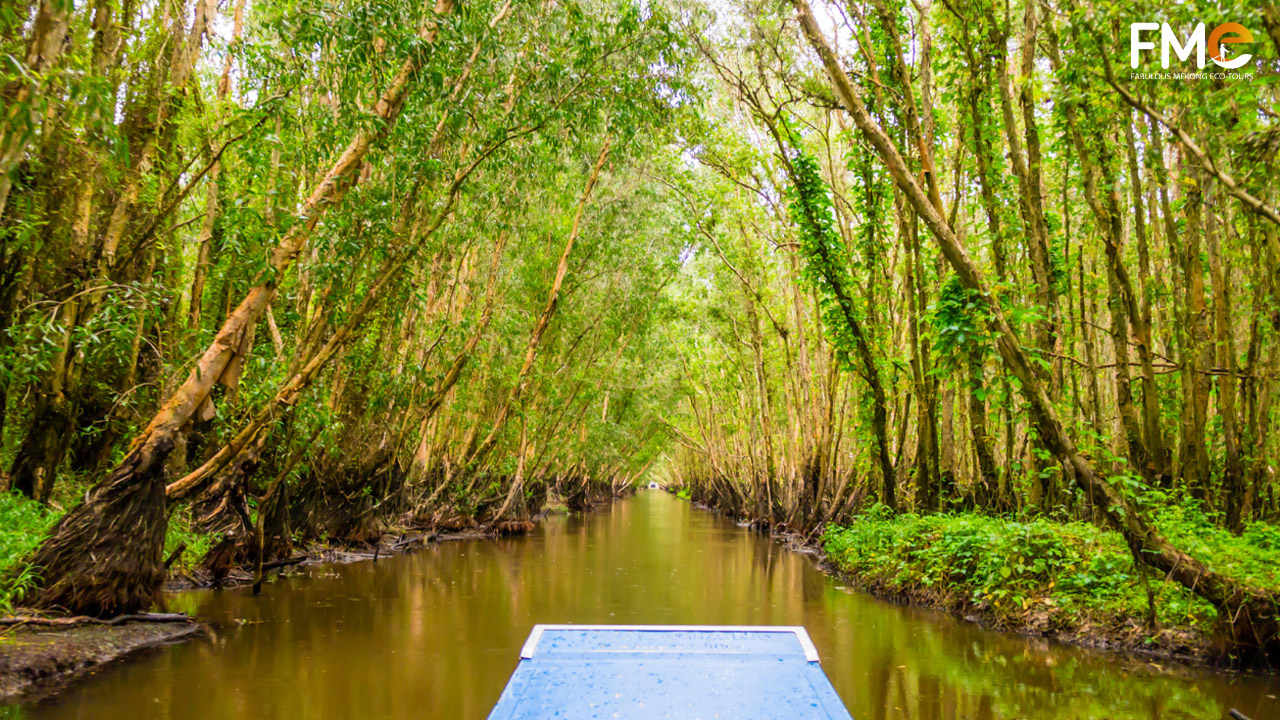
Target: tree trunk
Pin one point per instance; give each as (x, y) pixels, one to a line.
(926, 434)
(1196, 354)
(1233, 484)
(43, 50)
(544, 319)
(1157, 451)
(204, 248)
(96, 560)
(1250, 615)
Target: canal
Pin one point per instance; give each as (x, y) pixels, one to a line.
(435, 634)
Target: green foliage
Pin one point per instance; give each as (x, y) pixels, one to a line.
(182, 530)
(23, 523)
(959, 318)
(826, 258)
(1252, 556)
(1019, 572)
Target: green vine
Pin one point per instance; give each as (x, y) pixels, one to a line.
(827, 260)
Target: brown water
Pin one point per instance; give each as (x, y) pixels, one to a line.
(435, 634)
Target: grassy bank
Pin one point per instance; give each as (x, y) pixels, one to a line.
(1069, 580)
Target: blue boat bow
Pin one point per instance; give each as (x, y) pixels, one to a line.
(645, 672)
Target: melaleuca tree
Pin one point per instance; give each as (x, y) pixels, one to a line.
(827, 270)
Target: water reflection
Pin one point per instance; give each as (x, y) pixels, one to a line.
(436, 634)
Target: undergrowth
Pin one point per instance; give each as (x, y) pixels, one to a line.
(182, 532)
(1046, 575)
(23, 523)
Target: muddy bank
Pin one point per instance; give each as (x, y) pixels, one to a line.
(390, 544)
(241, 574)
(230, 561)
(39, 660)
(1131, 640)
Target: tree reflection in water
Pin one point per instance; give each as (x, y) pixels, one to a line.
(436, 634)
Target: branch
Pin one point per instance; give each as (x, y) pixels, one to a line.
(1255, 204)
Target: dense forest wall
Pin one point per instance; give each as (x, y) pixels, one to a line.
(303, 273)
(955, 257)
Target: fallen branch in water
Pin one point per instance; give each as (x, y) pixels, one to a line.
(423, 539)
(283, 563)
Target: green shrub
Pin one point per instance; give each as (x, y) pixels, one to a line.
(23, 523)
(182, 530)
(1074, 572)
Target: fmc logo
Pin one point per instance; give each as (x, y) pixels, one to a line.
(1224, 34)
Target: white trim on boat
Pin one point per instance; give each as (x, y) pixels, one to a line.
(802, 636)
